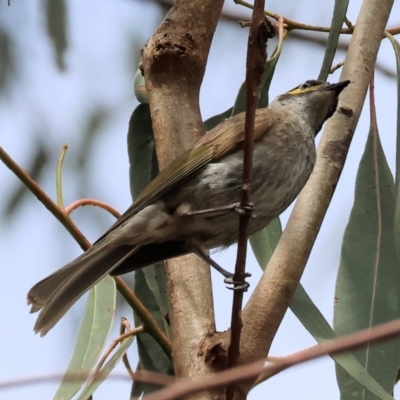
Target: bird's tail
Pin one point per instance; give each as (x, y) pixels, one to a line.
(55, 294)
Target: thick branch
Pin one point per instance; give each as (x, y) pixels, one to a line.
(174, 62)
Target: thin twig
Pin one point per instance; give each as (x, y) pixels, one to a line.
(290, 24)
(92, 202)
(45, 199)
(186, 387)
(148, 321)
(145, 316)
(60, 201)
(336, 67)
(141, 376)
(256, 57)
(348, 23)
(119, 339)
(126, 326)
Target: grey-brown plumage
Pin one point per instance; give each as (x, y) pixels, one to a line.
(206, 176)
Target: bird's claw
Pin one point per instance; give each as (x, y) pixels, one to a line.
(244, 209)
(242, 285)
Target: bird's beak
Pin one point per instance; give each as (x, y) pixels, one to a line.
(337, 87)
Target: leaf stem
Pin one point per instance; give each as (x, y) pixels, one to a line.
(60, 202)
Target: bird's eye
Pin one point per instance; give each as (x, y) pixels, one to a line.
(306, 85)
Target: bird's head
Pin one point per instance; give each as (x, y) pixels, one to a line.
(315, 100)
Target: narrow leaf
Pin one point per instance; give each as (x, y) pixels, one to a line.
(217, 119)
(56, 21)
(367, 287)
(396, 47)
(150, 285)
(93, 332)
(263, 244)
(263, 88)
(339, 14)
(91, 386)
(142, 155)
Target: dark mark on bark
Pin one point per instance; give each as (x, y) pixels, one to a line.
(346, 111)
(336, 150)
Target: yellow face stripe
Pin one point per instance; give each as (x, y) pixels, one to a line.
(299, 90)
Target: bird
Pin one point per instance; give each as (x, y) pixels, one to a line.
(188, 207)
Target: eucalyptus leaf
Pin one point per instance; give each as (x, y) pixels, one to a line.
(367, 287)
(91, 386)
(339, 14)
(396, 47)
(56, 21)
(263, 244)
(263, 88)
(149, 285)
(217, 119)
(92, 335)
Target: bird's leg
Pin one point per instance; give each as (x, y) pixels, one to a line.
(239, 208)
(228, 276)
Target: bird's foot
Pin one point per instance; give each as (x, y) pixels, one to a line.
(239, 208)
(229, 277)
(238, 285)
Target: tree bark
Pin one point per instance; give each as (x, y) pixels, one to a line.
(174, 61)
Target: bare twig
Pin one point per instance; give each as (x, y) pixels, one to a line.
(270, 299)
(141, 376)
(92, 202)
(185, 387)
(336, 67)
(151, 326)
(145, 316)
(305, 36)
(348, 23)
(113, 345)
(256, 56)
(60, 214)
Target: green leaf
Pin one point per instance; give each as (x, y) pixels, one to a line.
(93, 332)
(91, 386)
(142, 155)
(263, 244)
(56, 21)
(150, 285)
(396, 47)
(312, 319)
(153, 296)
(212, 122)
(94, 121)
(7, 62)
(339, 14)
(263, 88)
(140, 88)
(367, 287)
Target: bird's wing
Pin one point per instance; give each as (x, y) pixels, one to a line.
(215, 144)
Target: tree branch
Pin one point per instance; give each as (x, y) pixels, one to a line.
(267, 305)
(259, 33)
(174, 61)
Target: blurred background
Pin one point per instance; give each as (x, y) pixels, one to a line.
(77, 89)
